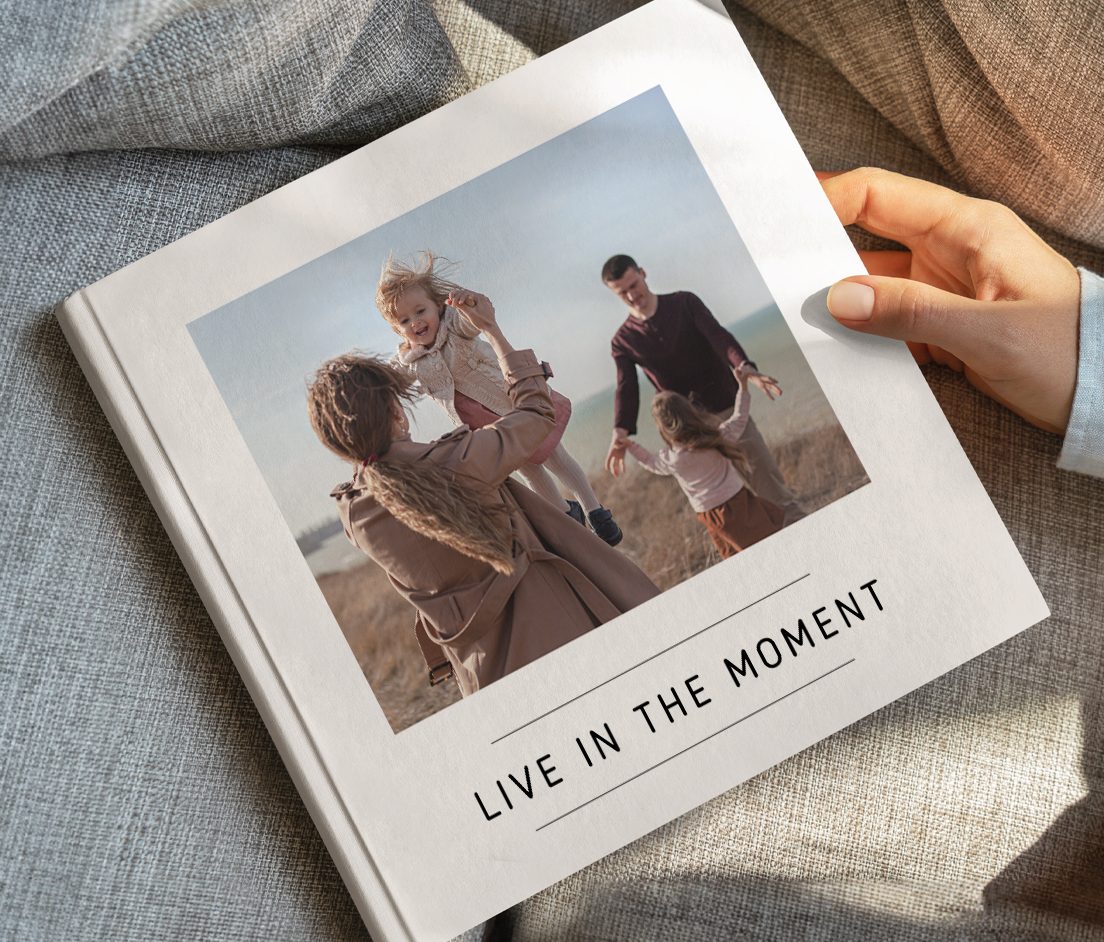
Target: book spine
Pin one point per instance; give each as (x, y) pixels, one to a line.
(124, 412)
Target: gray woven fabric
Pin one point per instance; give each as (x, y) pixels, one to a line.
(143, 797)
(228, 75)
(240, 74)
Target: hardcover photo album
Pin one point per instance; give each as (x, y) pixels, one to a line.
(534, 235)
(531, 486)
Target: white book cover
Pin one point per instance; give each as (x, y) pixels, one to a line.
(613, 687)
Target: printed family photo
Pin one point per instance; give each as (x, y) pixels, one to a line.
(515, 413)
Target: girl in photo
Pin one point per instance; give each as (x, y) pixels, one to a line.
(702, 455)
(442, 350)
(497, 575)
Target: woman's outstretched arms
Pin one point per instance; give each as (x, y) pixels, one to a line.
(492, 453)
(479, 312)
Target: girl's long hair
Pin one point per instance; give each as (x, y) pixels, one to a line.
(353, 401)
(683, 424)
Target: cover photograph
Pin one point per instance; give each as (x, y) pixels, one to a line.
(533, 490)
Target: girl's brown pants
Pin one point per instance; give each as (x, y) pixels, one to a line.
(740, 521)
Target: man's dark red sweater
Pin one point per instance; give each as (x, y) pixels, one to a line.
(682, 348)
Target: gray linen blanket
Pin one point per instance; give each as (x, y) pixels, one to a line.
(143, 797)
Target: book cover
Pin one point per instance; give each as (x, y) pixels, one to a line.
(376, 411)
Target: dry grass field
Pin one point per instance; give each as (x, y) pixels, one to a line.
(661, 537)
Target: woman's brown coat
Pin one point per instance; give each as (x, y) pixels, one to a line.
(565, 581)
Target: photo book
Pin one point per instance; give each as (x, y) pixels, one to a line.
(527, 479)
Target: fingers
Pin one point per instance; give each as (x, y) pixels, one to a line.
(919, 352)
(461, 299)
(615, 458)
(465, 299)
(889, 264)
(476, 307)
(919, 314)
(946, 358)
(890, 204)
(768, 384)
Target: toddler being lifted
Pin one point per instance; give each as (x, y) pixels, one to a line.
(458, 370)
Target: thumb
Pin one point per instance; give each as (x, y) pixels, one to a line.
(910, 310)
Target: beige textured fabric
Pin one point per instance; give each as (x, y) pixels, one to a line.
(1005, 98)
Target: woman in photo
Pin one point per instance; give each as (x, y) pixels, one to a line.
(498, 575)
(702, 455)
(455, 368)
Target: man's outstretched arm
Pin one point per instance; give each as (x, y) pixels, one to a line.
(729, 349)
(726, 346)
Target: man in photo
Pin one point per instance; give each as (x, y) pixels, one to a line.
(682, 348)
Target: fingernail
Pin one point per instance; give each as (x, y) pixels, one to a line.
(850, 301)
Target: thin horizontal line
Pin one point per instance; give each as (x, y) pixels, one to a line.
(698, 743)
(652, 657)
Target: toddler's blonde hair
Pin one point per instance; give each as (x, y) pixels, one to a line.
(427, 273)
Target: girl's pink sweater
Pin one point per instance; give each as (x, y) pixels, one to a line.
(707, 478)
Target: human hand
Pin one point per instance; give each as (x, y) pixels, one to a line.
(977, 291)
(477, 308)
(615, 457)
(766, 384)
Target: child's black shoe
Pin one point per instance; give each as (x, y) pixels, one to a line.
(605, 526)
(575, 512)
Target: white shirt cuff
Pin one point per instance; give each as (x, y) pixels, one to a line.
(1083, 448)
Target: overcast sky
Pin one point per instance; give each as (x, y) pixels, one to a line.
(532, 234)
